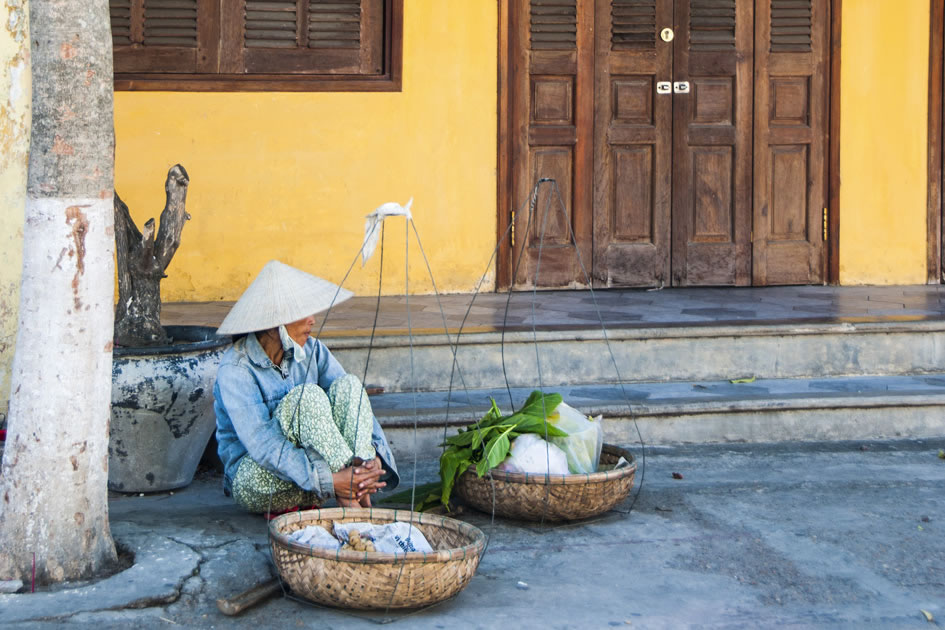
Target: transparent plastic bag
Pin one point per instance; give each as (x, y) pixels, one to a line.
(529, 453)
(585, 438)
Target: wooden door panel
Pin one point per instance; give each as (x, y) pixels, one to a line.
(712, 143)
(632, 143)
(711, 181)
(550, 223)
(788, 210)
(633, 172)
(551, 109)
(790, 141)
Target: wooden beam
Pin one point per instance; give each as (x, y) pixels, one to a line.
(503, 176)
(934, 215)
(833, 158)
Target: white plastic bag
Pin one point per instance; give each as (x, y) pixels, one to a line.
(529, 453)
(316, 536)
(396, 537)
(584, 441)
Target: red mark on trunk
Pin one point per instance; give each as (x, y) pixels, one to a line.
(68, 51)
(75, 463)
(80, 227)
(109, 346)
(66, 113)
(61, 147)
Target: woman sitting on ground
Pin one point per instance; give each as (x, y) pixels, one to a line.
(293, 429)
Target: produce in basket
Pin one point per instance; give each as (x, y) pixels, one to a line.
(486, 443)
(397, 537)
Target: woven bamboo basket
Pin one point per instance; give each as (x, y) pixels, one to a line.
(537, 497)
(374, 580)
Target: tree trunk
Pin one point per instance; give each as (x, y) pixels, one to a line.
(142, 259)
(53, 483)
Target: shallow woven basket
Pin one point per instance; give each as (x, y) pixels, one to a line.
(373, 580)
(537, 497)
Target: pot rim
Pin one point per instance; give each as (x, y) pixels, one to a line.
(187, 339)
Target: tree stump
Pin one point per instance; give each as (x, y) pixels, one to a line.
(142, 258)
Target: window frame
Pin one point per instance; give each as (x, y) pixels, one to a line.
(390, 80)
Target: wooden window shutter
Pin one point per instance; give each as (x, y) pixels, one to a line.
(257, 45)
(553, 24)
(155, 35)
(344, 37)
(790, 26)
(633, 24)
(712, 25)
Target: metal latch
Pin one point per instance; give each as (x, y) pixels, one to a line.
(681, 87)
(664, 87)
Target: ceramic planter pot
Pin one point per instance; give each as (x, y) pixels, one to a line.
(162, 410)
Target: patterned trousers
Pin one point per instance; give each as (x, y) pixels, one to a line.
(336, 425)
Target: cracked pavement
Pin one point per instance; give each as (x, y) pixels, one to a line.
(795, 535)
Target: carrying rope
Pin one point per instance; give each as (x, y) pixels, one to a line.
(456, 370)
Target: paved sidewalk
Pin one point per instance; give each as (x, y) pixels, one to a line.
(617, 308)
(795, 535)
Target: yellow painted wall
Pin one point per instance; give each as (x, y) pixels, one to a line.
(291, 176)
(15, 98)
(883, 141)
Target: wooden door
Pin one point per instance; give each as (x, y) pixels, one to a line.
(719, 184)
(632, 143)
(551, 111)
(790, 191)
(712, 103)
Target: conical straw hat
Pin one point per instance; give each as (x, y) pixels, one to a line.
(280, 294)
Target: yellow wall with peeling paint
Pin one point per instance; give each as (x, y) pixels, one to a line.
(884, 142)
(291, 176)
(15, 98)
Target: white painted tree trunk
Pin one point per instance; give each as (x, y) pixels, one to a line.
(53, 483)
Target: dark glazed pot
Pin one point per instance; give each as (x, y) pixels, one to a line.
(162, 409)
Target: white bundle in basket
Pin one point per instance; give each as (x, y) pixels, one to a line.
(315, 536)
(529, 453)
(396, 537)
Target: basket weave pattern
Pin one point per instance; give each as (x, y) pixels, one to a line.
(536, 497)
(374, 580)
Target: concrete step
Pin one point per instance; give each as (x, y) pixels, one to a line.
(574, 357)
(765, 410)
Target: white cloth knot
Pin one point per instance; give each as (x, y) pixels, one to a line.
(372, 225)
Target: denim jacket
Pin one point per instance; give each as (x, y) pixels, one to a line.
(248, 388)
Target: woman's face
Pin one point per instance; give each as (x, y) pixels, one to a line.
(301, 329)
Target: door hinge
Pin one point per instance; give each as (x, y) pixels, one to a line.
(825, 224)
(512, 228)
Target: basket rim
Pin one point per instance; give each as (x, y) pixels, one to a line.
(545, 479)
(474, 548)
